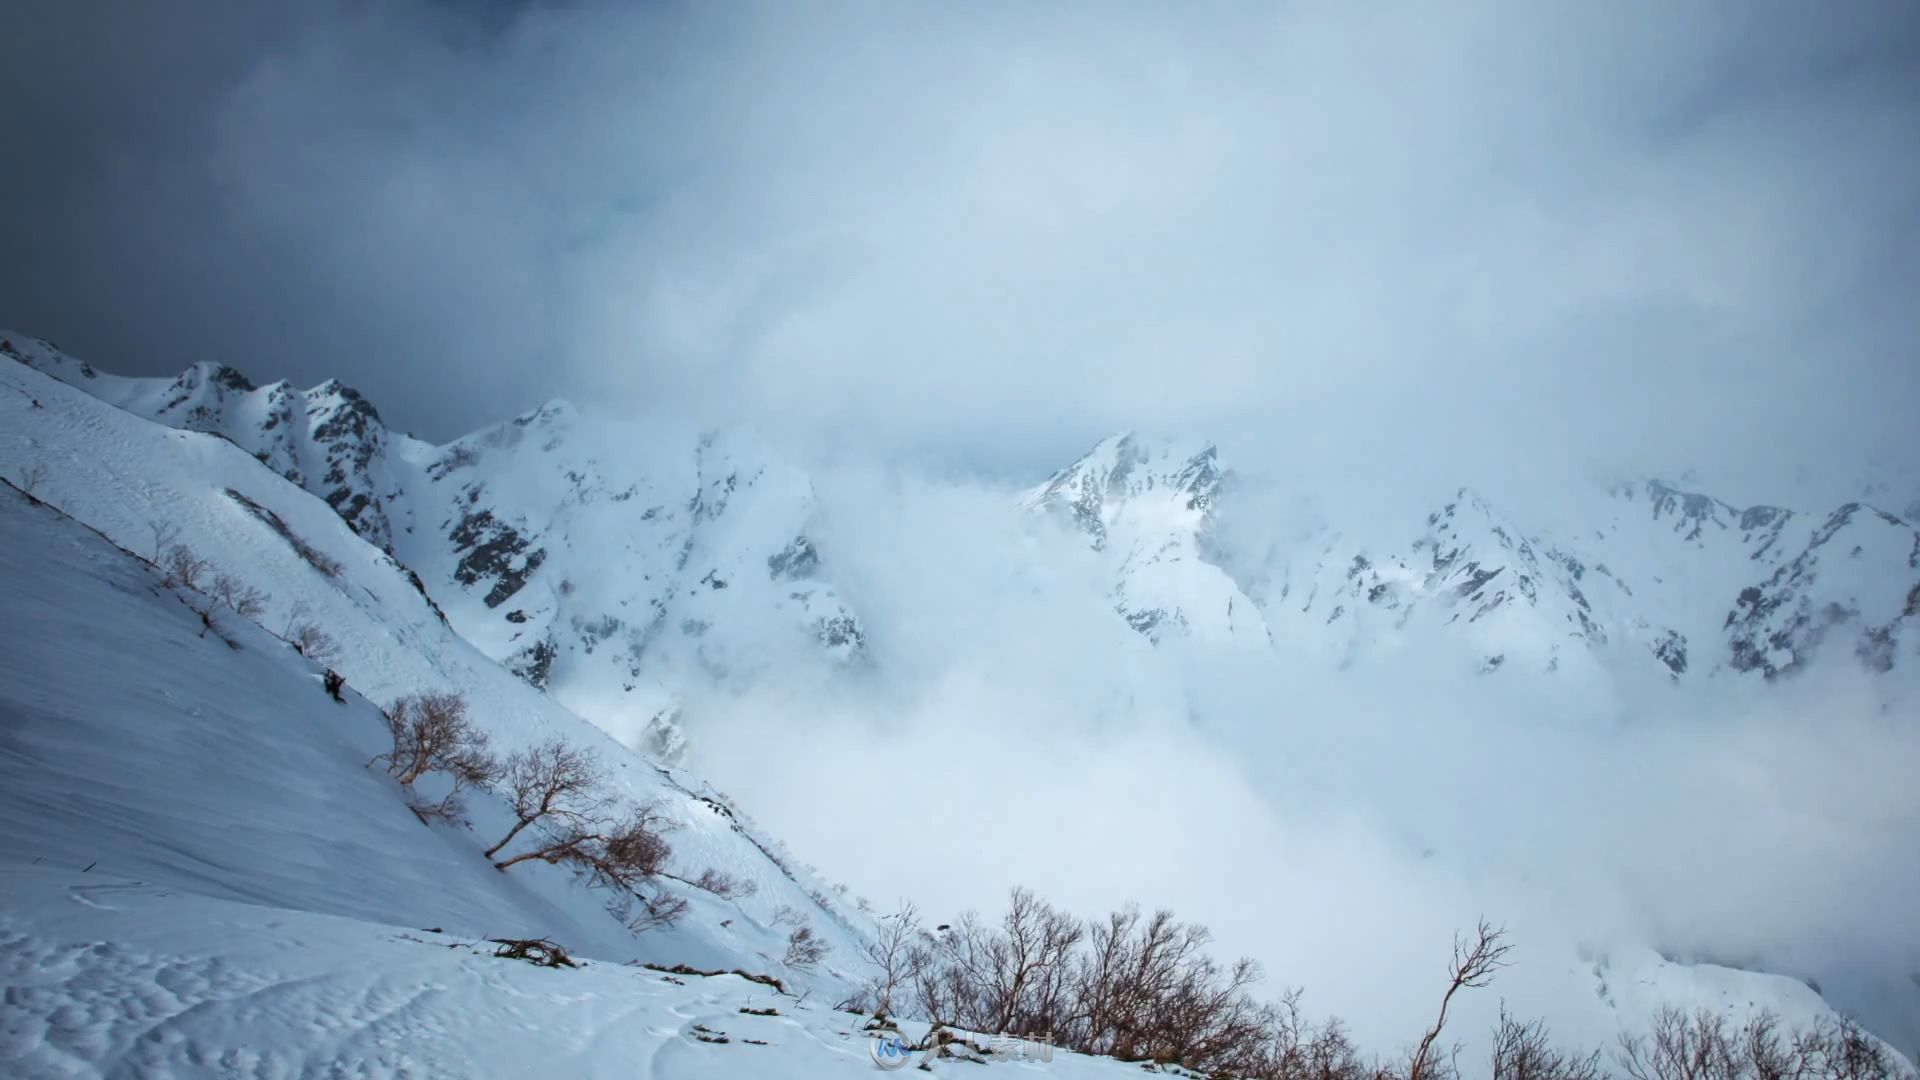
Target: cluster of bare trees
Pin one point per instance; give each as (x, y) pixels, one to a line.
(724, 885)
(1142, 988)
(562, 812)
(1704, 1045)
(1131, 986)
(185, 569)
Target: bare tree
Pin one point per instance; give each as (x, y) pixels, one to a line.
(787, 915)
(655, 912)
(242, 599)
(634, 849)
(1704, 1045)
(296, 612)
(182, 567)
(1475, 960)
(551, 781)
(431, 733)
(724, 885)
(314, 643)
(620, 852)
(890, 952)
(1026, 965)
(164, 534)
(804, 948)
(1523, 1051)
(31, 477)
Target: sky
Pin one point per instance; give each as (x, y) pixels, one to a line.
(1633, 235)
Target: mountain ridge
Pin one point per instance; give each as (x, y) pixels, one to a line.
(514, 527)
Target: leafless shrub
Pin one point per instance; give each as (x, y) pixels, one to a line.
(316, 558)
(551, 781)
(182, 567)
(314, 643)
(725, 885)
(242, 599)
(431, 733)
(751, 976)
(804, 948)
(1476, 958)
(786, 915)
(859, 1003)
(634, 849)
(1523, 1051)
(31, 477)
(891, 952)
(537, 951)
(164, 534)
(620, 852)
(1141, 988)
(656, 913)
(296, 612)
(1294, 1048)
(1704, 1045)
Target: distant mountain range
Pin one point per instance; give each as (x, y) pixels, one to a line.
(608, 561)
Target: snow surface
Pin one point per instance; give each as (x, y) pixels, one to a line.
(117, 473)
(115, 976)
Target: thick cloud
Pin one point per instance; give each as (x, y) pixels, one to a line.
(1635, 234)
(1336, 824)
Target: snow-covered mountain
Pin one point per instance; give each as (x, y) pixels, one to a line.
(1149, 508)
(604, 563)
(1651, 576)
(612, 562)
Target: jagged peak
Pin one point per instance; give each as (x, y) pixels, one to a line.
(550, 411)
(210, 373)
(343, 397)
(1189, 465)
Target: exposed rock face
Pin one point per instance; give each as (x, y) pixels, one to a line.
(1837, 587)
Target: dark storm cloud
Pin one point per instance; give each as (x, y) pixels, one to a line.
(1632, 234)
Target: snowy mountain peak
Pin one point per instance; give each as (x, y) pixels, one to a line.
(603, 562)
(1148, 507)
(607, 561)
(1173, 483)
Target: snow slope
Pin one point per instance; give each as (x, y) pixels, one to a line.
(115, 976)
(99, 646)
(203, 879)
(605, 563)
